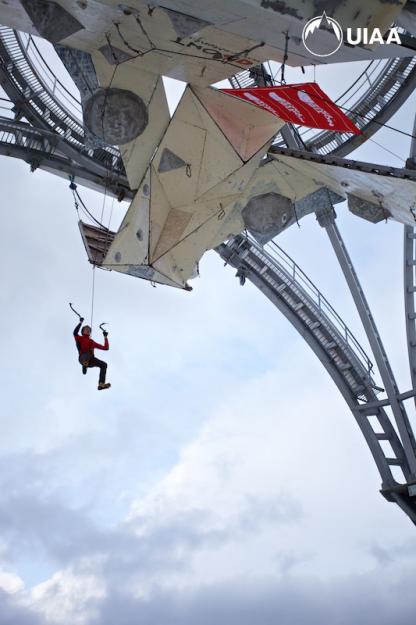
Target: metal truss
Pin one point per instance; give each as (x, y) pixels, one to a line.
(278, 277)
(42, 149)
(409, 296)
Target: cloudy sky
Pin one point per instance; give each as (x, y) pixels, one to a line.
(221, 479)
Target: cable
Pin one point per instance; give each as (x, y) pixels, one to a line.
(403, 160)
(99, 224)
(285, 57)
(344, 108)
(355, 113)
(110, 45)
(92, 295)
(77, 198)
(126, 43)
(142, 28)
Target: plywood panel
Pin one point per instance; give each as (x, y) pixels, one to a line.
(395, 195)
(137, 154)
(246, 126)
(131, 243)
(159, 211)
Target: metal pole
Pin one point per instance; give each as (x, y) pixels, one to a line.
(409, 297)
(413, 142)
(409, 261)
(326, 219)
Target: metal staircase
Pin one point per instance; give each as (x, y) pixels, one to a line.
(409, 296)
(281, 280)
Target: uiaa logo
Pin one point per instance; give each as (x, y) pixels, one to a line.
(311, 35)
(319, 45)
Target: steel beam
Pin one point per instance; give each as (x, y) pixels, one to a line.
(326, 219)
(409, 297)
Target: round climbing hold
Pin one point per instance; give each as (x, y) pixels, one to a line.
(117, 116)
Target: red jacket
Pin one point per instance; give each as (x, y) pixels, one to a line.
(86, 344)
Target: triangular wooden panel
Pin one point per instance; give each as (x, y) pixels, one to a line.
(185, 25)
(202, 212)
(170, 161)
(236, 182)
(219, 158)
(131, 243)
(246, 126)
(187, 110)
(159, 211)
(180, 185)
(175, 226)
(218, 162)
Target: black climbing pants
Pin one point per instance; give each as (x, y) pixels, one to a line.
(95, 362)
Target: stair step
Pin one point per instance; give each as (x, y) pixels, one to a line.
(330, 345)
(281, 287)
(359, 388)
(344, 366)
(395, 462)
(314, 325)
(298, 306)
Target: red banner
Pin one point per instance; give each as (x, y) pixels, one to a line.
(304, 104)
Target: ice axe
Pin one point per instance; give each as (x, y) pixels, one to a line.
(75, 311)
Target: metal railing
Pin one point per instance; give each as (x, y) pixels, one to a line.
(67, 100)
(273, 255)
(15, 133)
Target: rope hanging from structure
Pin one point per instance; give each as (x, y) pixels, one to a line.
(285, 58)
(78, 201)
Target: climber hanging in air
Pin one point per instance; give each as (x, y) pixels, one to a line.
(86, 346)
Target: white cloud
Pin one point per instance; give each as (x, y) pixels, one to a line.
(69, 597)
(10, 582)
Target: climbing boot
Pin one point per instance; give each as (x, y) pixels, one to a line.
(102, 386)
